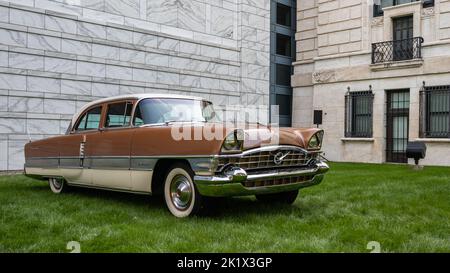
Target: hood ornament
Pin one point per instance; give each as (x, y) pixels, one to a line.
(279, 157)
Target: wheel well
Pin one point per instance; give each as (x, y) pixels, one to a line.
(160, 171)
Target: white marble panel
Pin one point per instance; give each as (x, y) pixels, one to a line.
(41, 84)
(60, 24)
(56, 106)
(129, 8)
(13, 38)
(13, 82)
(105, 90)
(76, 87)
(60, 65)
(91, 69)
(24, 104)
(162, 11)
(76, 47)
(26, 18)
(26, 61)
(39, 41)
(192, 15)
(107, 52)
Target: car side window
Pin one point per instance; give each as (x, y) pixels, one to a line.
(90, 120)
(138, 120)
(118, 114)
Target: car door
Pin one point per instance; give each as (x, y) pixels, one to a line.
(72, 148)
(108, 151)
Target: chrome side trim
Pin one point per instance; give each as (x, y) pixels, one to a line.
(107, 188)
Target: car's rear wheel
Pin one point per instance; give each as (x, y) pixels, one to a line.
(287, 197)
(57, 185)
(181, 195)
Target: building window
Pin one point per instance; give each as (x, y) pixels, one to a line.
(283, 15)
(358, 114)
(283, 75)
(284, 43)
(435, 112)
(380, 4)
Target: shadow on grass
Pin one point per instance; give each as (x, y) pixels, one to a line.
(214, 208)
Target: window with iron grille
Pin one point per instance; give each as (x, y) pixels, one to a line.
(435, 111)
(359, 113)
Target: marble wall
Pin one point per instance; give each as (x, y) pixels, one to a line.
(57, 55)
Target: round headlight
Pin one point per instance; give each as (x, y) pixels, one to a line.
(315, 141)
(232, 142)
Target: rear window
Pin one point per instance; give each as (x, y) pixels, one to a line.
(90, 120)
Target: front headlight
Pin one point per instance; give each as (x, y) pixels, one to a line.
(233, 142)
(315, 142)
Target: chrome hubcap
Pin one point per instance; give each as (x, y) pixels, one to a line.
(56, 183)
(181, 192)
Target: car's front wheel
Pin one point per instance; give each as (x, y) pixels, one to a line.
(181, 195)
(287, 197)
(57, 185)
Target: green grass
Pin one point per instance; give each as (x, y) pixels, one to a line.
(404, 210)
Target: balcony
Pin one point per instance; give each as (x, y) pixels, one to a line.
(389, 52)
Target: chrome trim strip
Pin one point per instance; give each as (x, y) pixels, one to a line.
(108, 189)
(267, 149)
(320, 168)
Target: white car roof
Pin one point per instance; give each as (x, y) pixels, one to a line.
(131, 97)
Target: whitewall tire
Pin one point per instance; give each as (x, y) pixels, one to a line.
(181, 195)
(57, 185)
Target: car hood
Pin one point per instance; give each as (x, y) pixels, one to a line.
(257, 135)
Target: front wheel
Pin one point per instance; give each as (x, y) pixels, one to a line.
(287, 197)
(57, 185)
(181, 195)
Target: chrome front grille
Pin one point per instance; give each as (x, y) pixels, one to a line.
(277, 181)
(267, 159)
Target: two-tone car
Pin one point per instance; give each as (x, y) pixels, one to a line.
(177, 146)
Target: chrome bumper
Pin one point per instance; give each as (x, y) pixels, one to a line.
(231, 183)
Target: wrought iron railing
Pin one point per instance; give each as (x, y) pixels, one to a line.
(435, 111)
(399, 50)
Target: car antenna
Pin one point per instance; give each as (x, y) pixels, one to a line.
(29, 136)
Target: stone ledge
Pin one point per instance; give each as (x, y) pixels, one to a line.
(357, 139)
(433, 140)
(396, 65)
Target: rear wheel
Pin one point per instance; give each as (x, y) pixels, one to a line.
(181, 195)
(57, 185)
(287, 197)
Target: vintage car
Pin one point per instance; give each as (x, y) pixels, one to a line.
(132, 143)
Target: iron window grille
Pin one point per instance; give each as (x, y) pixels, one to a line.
(380, 4)
(399, 50)
(359, 113)
(435, 111)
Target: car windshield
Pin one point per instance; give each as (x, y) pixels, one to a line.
(165, 110)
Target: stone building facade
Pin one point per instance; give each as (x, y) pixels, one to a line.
(56, 55)
(397, 54)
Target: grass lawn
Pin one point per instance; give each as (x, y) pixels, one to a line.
(404, 210)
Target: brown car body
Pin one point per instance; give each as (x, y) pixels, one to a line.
(135, 158)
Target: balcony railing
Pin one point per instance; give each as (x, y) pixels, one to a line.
(399, 50)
